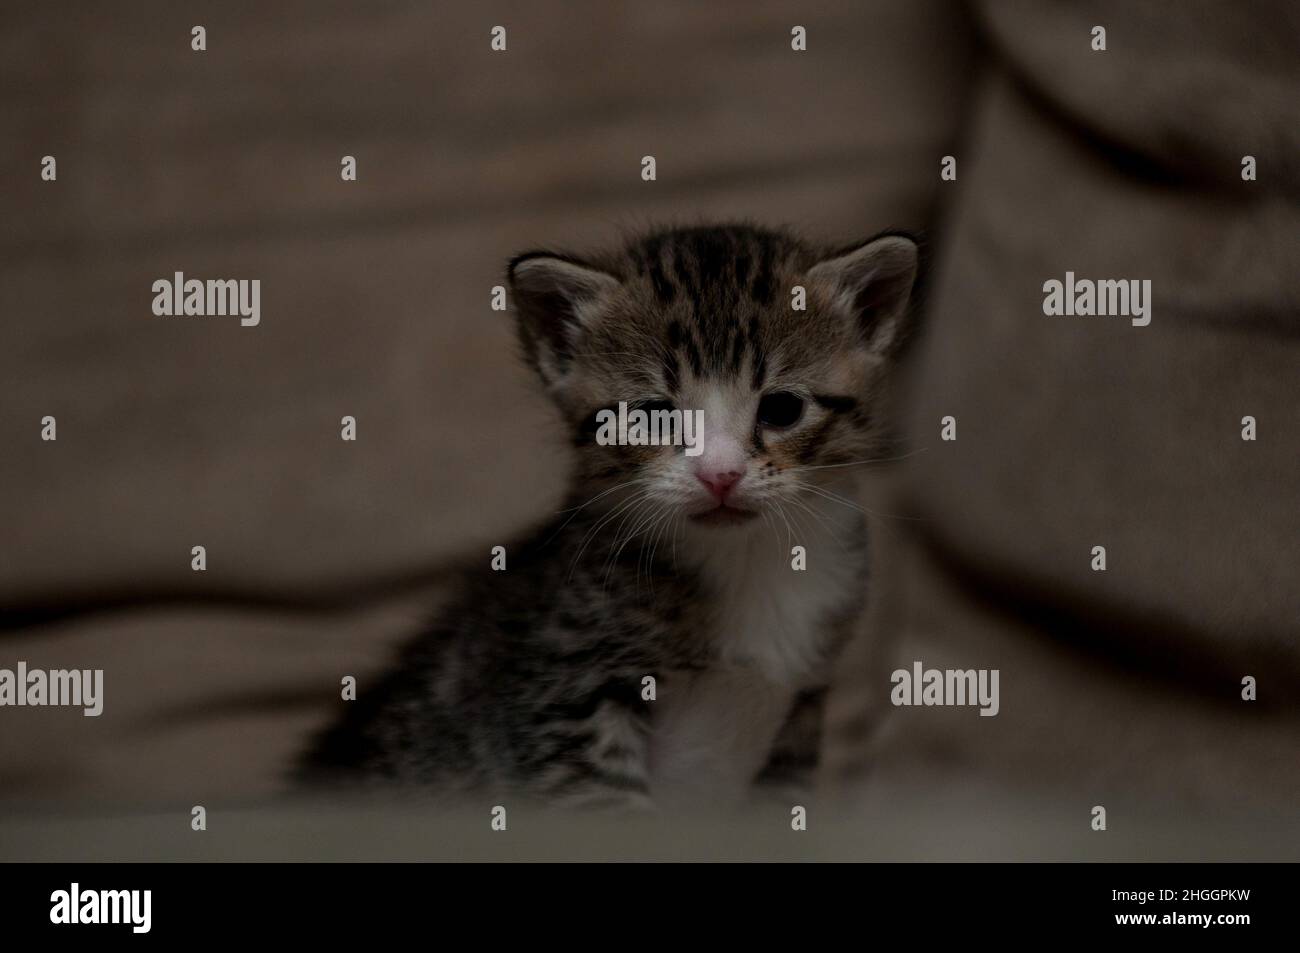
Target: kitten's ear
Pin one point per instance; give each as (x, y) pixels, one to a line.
(872, 282)
(555, 298)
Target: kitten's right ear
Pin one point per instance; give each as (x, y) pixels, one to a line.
(555, 297)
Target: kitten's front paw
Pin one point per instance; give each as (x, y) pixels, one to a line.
(611, 803)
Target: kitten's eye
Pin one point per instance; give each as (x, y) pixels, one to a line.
(650, 406)
(780, 410)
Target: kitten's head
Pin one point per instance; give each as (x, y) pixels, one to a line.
(704, 319)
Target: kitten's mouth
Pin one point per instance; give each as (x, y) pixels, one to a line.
(723, 516)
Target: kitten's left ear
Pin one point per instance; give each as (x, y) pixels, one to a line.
(873, 283)
(556, 297)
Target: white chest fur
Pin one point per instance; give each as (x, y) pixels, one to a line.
(770, 616)
(713, 730)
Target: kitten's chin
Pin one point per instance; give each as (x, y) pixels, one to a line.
(723, 516)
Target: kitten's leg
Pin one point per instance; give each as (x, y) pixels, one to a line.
(712, 733)
(599, 762)
(796, 751)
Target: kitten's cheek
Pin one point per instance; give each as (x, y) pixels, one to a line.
(781, 456)
(637, 459)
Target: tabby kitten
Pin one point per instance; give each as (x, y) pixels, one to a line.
(663, 565)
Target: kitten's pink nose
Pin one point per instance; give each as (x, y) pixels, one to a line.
(721, 465)
(719, 482)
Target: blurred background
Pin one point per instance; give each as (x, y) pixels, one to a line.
(1120, 688)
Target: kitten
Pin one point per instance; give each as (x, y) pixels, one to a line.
(666, 566)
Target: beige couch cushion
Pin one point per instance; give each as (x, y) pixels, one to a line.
(1122, 687)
